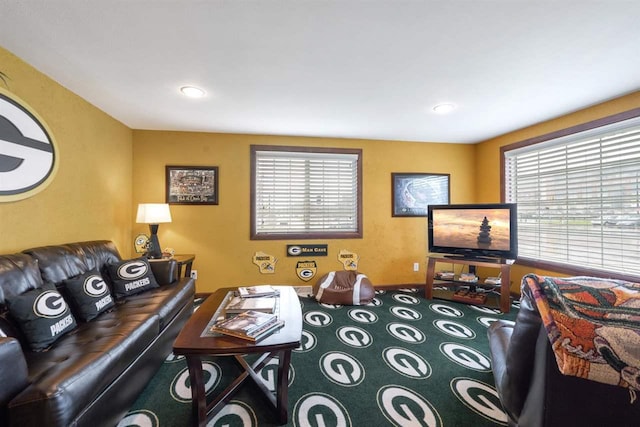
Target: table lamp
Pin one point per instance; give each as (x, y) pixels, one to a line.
(153, 214)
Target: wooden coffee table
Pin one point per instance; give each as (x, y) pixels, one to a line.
(191, 344)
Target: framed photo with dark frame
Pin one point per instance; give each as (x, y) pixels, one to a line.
(412, 193)
(192, 185)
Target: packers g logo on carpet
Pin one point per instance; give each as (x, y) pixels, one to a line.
(308, 342)
(405, 313)
(466, 356)
(407, 363)
(480, 398)
(181, 386)
(342, 368)
(354, 336)
(404, 407)
(28, 159)
(320, 409)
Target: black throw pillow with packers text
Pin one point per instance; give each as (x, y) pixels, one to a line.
(89, 295)
(42, 315)
(131, 277)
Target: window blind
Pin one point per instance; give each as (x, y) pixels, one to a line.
(306, 192)
(579, 198)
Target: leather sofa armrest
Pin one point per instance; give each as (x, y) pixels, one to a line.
(513, 352)
(13, 374)
(164, 270)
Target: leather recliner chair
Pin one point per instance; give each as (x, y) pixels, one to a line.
(531, 388)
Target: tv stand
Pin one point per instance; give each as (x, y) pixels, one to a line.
(472, 263)
(475, 258)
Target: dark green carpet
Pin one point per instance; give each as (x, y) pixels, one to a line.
(401, 360)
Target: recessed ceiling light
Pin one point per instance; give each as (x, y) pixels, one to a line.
(444, 108)
(192, 91)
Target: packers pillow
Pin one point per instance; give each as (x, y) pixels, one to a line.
(89, 295)
(131, 277)
(42, 315)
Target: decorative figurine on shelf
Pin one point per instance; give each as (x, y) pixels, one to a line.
(168, 253)
(484, 236)
(141, 243)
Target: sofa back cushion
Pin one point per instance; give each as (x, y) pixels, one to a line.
(61, 262)
(19, 273)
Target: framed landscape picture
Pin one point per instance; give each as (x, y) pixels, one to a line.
(192, 185)
(412, 193)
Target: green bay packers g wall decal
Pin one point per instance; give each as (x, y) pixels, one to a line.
(266, 263)
(306, 270)
(348, 259)
(28, 153)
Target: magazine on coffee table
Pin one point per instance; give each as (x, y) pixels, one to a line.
(250, 325)
(257, 291)
(262, 304)
(256, 335)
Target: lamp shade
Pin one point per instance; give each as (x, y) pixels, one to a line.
(153, 213)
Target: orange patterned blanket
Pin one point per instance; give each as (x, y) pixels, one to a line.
(593, 325)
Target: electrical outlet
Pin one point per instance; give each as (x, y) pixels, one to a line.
(416, 266)
(194, 274)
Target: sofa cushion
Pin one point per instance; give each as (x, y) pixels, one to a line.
(131, 277)
(88, 294)
(61, 262)
(42, 315)
(19, 273)
(166, 301)
(13, 375)
(81, 365)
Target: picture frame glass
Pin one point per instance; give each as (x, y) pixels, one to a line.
(412, 193)
(192, 185)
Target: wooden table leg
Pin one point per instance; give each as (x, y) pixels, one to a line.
(428, 289)
(282, 390)
(198, 396)
(505, 288)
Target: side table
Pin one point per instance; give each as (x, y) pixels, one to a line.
(185, 260)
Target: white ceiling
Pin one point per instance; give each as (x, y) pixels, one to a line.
(345, 68)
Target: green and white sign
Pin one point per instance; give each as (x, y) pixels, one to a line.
(307, 250)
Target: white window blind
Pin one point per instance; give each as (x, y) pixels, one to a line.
(306, 193)
(579, 198)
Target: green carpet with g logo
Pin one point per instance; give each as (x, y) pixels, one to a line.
(28, 159)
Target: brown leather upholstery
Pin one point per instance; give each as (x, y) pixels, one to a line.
(13, 376)
(532, 390)
(93, 374)
(344, 288)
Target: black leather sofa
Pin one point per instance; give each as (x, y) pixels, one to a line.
(91, 375)
(531, 388)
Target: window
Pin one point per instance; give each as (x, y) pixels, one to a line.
(578, 197)
(305, 193)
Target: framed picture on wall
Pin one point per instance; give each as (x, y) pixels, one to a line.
(192, 185)
(412, 193)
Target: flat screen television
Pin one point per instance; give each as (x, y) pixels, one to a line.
(474, 230)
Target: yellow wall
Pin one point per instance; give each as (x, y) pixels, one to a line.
(97, 188)
(90, 196)
(488, 152)
(219, 235)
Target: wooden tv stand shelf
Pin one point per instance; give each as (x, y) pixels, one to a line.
(503, 265)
